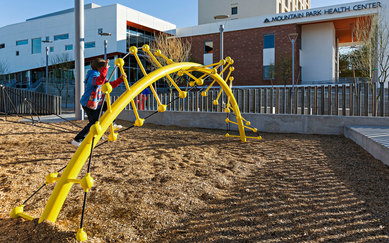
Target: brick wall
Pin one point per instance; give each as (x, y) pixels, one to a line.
(245, 47)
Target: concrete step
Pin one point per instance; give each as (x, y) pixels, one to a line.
(374, 139)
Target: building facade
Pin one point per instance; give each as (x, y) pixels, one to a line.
(260, 46)
(23, 45)
(262, 49)
(239, 9)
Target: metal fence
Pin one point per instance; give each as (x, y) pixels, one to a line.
(19, 101)
(343, 100)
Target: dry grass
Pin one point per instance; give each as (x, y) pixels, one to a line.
(169, 184)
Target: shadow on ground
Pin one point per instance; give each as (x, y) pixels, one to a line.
(293, 200)
(30, 231)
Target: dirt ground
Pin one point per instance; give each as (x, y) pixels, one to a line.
(171, 184)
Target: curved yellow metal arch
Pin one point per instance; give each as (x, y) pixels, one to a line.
(72, 170)
(78, 160)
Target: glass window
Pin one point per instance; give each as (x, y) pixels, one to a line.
(268, 41)
(141, 37)
(61, 37)
(234, 10)
(137, 37)
(21, 42)
(208, 47)
(268, 72)
(47, 38)
(51, 48)
(133, 36)
(90, 44)
(2, 46)
(36, 45)
(68, 47)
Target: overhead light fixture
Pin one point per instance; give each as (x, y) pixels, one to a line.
(223, 16)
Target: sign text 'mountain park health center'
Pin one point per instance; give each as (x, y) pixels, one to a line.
(350, 8)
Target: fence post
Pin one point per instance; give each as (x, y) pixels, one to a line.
(260, 100)
(277, 100)
(322, 99)
(343, 99)
(366, 98)
(244, 103)
(351, 95)
(337, 100)
(382, 99)
(271, 100)
(250, 100)
(309, 100)
(289, 101)
(387, 111)
(374, 99)
(152, 102)
(255, 100)
(358, 87)
(329, 112)
(265, 100)
(302, 100)
(295, 98)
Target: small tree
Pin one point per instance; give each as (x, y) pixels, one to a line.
(3, 70)
(174, 48)
(372, 56)
(60, 66)
(372, 53)
(283, 70)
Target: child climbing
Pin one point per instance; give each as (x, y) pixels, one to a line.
(93, 97)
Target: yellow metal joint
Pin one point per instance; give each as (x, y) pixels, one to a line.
(52, 178)
(18, 212)
(86, 182)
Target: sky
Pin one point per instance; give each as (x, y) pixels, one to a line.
(182, 13)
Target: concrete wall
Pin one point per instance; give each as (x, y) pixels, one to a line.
(329, 125)
(318, 52)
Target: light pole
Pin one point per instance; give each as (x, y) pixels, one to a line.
(105, 43)
(79, 57)
(292, 38)
(47, 65)
(221, 29)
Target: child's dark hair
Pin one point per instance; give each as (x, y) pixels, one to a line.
(97, 63)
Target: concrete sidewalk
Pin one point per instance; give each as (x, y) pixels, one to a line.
(52, 118)
(374, 139)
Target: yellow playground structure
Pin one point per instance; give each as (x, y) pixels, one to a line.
(70, 173)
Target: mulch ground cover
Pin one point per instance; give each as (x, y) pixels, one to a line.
(172, 184)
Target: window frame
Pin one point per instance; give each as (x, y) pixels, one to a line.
(90, 42)
(265, 45)
(40, 45)
(71, 45)
(22, 42)
(204, 51)
(234, 12)
(267, 71)
(61, 37)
